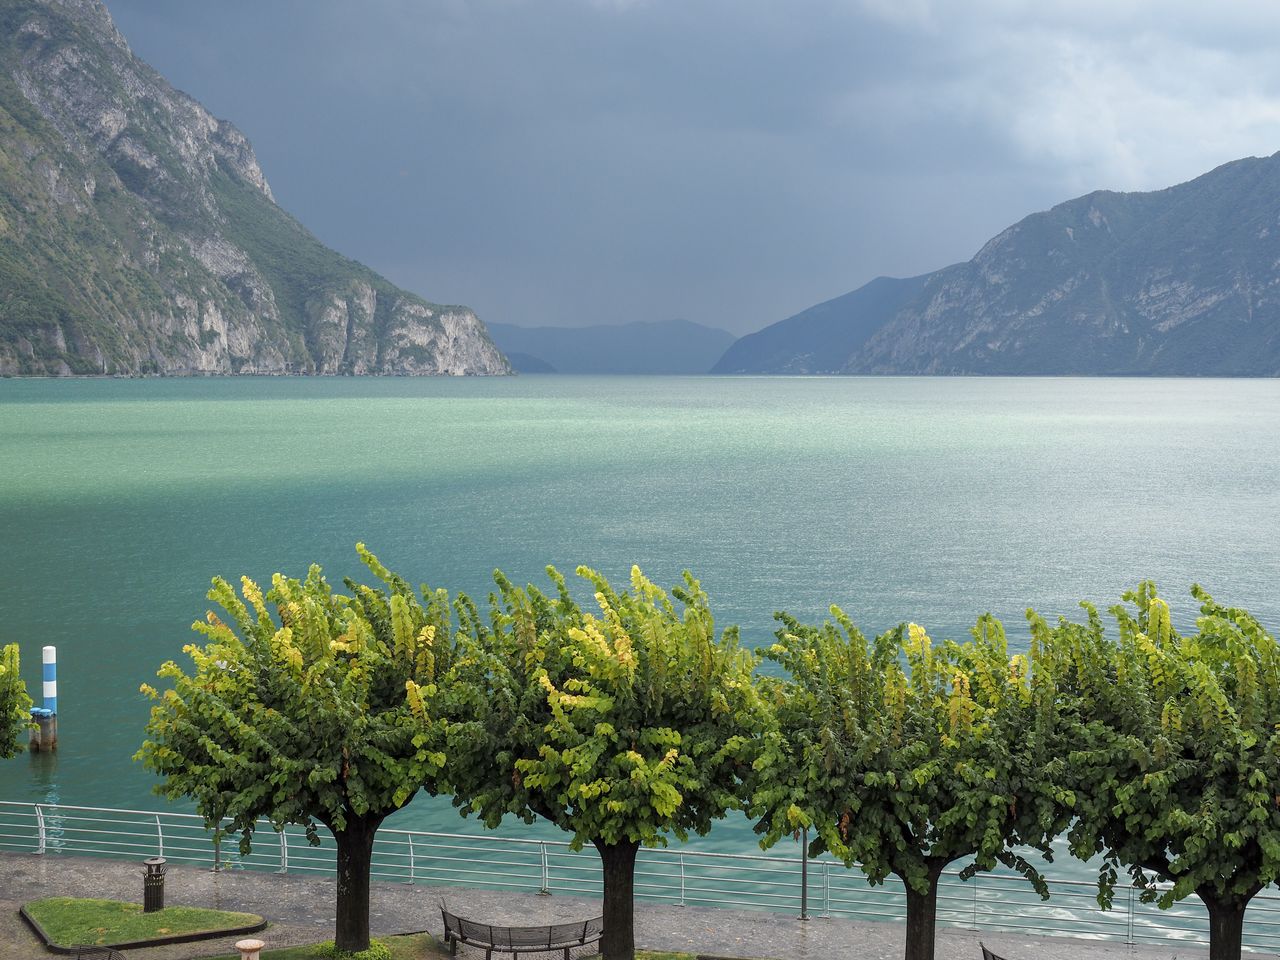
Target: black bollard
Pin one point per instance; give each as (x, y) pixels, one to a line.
(153, 885)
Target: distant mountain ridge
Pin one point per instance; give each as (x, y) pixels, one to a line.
(643, 347)
(1183, 281)
(139, 235)
(818, 340)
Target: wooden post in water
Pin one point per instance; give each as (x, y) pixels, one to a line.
(44, 735)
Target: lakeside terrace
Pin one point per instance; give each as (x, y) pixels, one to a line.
(300, 910)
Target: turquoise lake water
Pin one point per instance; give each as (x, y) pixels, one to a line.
(930, 500)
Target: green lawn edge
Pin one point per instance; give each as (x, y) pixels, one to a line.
(65, 923)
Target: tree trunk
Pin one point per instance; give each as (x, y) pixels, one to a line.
(355, 851)
(1226, 926)
(922, 916)
(618, 862)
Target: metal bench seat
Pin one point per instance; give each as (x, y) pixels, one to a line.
(517, 940)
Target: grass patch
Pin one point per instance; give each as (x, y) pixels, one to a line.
(69, 921)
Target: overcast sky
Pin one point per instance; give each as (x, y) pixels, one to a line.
(568, 162)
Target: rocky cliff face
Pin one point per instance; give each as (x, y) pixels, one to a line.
(1183, 281)
(139, 235)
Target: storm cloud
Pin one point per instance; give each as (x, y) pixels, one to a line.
(727, 161)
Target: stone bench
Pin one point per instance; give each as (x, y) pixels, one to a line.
(518, 940)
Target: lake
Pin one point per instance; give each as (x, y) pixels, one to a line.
(930, 500)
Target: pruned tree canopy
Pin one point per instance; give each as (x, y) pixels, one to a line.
(308, 707)
(905, 757)
(622, 727)
(1177, 753)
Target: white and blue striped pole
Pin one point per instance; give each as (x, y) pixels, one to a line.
(44, 734)
(51, 679)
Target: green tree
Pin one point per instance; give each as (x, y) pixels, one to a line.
(904, 758)
(333, 715)
(1178, 753)
(15, 705)
(621, 728)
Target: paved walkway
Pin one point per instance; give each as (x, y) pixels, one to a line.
(300, 909)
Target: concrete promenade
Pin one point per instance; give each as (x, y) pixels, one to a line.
(300, 910)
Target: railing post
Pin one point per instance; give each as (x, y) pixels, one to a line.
(804, 873)
(545, 890)
(41, 828)
(1128, 937)
(217, 849)
(160, 834)
(284, 853)
(682, 903)
(826, 888)
(413, 869)
(974, 881)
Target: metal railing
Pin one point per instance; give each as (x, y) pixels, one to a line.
(682, 876)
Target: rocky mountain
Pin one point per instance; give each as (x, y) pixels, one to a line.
(138, 234)
(819, 339)
(645, 347)
(1183, 281)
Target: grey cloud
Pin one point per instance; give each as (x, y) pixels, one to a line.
(569, 161)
